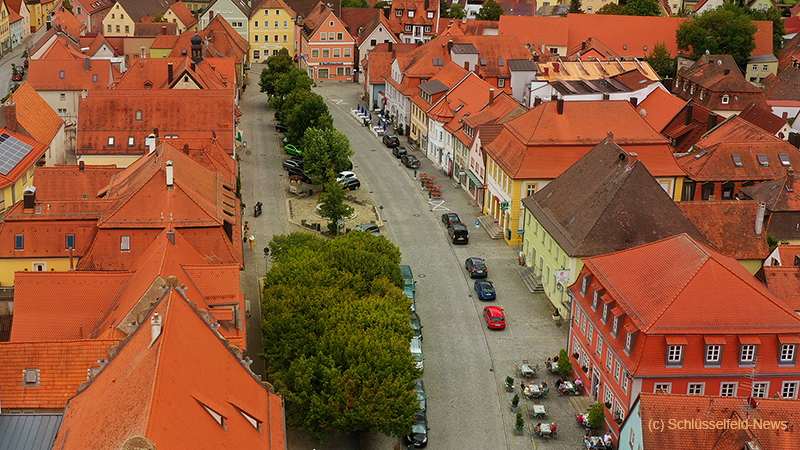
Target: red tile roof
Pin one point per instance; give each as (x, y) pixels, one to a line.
(112, 113)
(713, 77)
(186, 372)
(62, 366)
(729, 226)
(710, 410)
(784, 282)
(357, 19)
(784, 87)
(45, 234)
(734, 302)
(542, 143)
(184, 15)
(37, 151)
(684, 136)
(44, 75)
(659, 108)
(537, 31)
(67, 23)
(592, 47)
(72, 183)
(62, 49)
(763, 118)
(222, 42)
(82, 301)
(35, 116)
(502, 108)
(212, 73)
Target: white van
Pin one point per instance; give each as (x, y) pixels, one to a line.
(416, 351)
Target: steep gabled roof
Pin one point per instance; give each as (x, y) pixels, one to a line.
(779, 195)
(729, 227)
(220, 40)
(763, 118)
(45, 75)
(717, 76)
(784, 86)
(61, 367)
(597, 205)
(501, 109)
(593, 47)
(212, 73)
(137, 9)
(700, 121)
(182, 12)
(361, 21)
(722, 295)
(659, 108)
(186, 371)
(305, 7)
(67, 23)
(10, 152)
(151, 29)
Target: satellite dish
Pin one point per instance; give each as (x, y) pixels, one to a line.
(643, 112)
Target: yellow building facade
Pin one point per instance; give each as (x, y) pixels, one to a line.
(39, 11)
(118, 22)
(5, 28)
(271, 28)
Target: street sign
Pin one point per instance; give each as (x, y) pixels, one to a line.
(504, 206)
(562, 276)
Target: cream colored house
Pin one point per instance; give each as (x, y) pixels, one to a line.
(271, 28)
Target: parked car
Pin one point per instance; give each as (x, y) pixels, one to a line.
(17, 77)
(398, 152)
(421, 396)
(293, 163)
(351, 184)
(292, 150)
(25, 63)
(283, 128)
(449, 218)
(418, 437)
(294, 171)
(485, 290)
(416, 352)
(476, 268)
(346, 175)
(368, 227)
(408, 277)
(410, 161)
(458, 233)
(495, 317)
(391, 140)
(416, 325)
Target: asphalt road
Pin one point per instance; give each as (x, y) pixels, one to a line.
(465, 363)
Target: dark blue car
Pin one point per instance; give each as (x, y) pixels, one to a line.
(485, 290)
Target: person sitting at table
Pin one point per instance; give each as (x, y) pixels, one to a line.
(559, 382)
(553, 428)
(607, 440)
(578, 384)
(555, 358)
(544, 384)
(522, 384)
(549, 363)
(587, 441)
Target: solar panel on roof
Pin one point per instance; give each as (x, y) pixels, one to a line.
(12, 151)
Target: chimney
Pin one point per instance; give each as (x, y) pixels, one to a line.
(560, 106)
(785, 115)
(29, 197)
(186, 148)
(150, 142)
(535, 58)
(583, 45)
(610, 135)
(689, 110)
(11, 116)
(632, 157)
(169, 73)
(450, 46)
(170, 174)
(727, 71)
(171, 236)
(193, 67)
(155, 327)
(211, 15)
(634, 101)
(71, 258)
(491, 95)
(164, 29)
(546, 71)
(81, 165)
(537, 101)
(556, 67)
(391, 45)
(790, 180)
(86, 64)
(760, 217)
(712, 121)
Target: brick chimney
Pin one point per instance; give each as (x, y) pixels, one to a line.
(760, 217)
(712, 121)
(491, 95)
(164, 28)
(11, 116)
(466, 65)
(29, 197)
(610, 135)
(790, 180)
(560, 106)
(632, 158)
(169, 73)
(81, 166)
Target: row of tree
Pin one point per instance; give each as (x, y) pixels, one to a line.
(336, 334)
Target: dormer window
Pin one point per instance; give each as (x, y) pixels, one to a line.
(585, 284)
(410, 13)
(30, 377)
(702, 94)
(430, 14)
(604, 317)
(748, 349)
(788, 350)
(630, 339)
(725, 99)
(784, 157)
(615, 326)
(598, 294)
(675, 346)
(762, 160)
(398, 13)
(691, 90)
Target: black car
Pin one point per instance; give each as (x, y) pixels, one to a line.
(416, 324)
(410, 161)
(458, 233)
(476, 268)
(283, 128)
(298, 172)
(293, 163)
(351, 183)
(449, 218)
(391, 140)
(419, 431)
(398, 152)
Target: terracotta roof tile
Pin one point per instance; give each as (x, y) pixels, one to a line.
(596, 191)
(659, 108)
(61, 365)
(82, 301)
(535, 30)
(784, 86)
(359, 19)
(222, 42)
(35, 115)
(502, 108)
(72, 183)
(713, 77)
(138, 8)
(763, 118)
(542, 143)
(212, 73)
(184, 15)
(62, 49)
(141, 29)
(592, 47)
(186, 370)
(729, 227)
(67, 23)
(784, 282)
(47, 236)
(44, 75)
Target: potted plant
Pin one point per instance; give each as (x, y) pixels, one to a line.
(596, 415)
(608, 405)
(515, 403)
(520, 424)
(509, 384)
(564, 365)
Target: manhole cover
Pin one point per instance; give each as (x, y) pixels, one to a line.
(247, 152)
(372, 150)
(422, 275)
(416, 215)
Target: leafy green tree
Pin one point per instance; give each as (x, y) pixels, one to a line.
(332, 205)
(457, 12)
(611, 9)
(575, 7)
(490, 10)
(444, 9)
(724, 30)
(642, 8)
(159, 18)
(597, 415)
(68, 6)
(325, 151)
(773, 15)
(354, 4)
(311, 113)
(277, 65)
(293, 80)
(336, 342)
(661, 60)
(564, 364)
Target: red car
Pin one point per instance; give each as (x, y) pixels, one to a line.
(495, 318)
(17, 77)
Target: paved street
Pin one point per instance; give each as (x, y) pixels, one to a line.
(465, 363)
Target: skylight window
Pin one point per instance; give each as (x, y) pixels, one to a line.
(483, 61)
(737, 160)
(785, 159)
(500, 61)
(700, 155)
(438, 62)
(762, 159)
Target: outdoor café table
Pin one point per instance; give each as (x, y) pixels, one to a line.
(539, 411)
(526, 370)
(554, 367)
(596, 443)
(568, 386)
(532, 390)
(543, 429)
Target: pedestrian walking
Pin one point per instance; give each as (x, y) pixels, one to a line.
(252, 240)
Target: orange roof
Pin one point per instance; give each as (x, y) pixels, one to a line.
(212, 73)
(67, 23)
(45, 75)
(36, 152)
(542, 143)
(734, 301)
(35, 115)
(503, 107)
(61, 367)
(467, 97)
(729, 226)
(163, 41)
(81, 302)
(222, 41)
(62, 49)
(45, 235)
(784, 282)
(112, 113)
(186, 372)
(182, 12)
(659, 108)
(533, 30)
(72, 182)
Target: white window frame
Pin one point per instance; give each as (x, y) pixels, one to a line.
(674, 354)
(787, 353)
(747, 354)
(599, 349)
(713, 354)
(728, 389)
(760, 389)
(617, 369)
(700, 387)
(609, 360)
(667, 387)
(125, 243)
(589, 333)
(789, 387)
